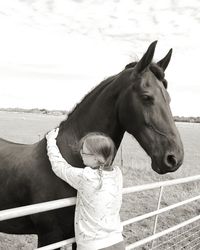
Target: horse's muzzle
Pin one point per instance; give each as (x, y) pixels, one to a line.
(169, 164)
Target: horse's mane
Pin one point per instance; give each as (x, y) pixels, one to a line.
(94, 91)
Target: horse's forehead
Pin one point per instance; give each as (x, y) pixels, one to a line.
(151, 82)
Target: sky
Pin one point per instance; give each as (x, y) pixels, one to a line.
(52, 53)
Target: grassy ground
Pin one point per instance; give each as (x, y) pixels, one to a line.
(29, 128)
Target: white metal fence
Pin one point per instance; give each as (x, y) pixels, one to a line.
(46, 206)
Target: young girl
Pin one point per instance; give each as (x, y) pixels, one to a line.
(99, 186)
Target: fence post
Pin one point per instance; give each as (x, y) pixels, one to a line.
(156, 217)
(121, 155)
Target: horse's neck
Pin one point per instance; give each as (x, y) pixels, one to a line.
(99, 114)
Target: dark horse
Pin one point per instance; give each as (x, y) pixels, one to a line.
(135, 100)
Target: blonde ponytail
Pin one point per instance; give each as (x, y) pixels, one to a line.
(100, 170)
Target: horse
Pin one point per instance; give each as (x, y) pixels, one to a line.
(134, 101)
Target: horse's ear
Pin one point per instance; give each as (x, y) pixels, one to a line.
(165, 61)
(146, 59)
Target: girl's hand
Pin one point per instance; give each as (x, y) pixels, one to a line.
(52, 134)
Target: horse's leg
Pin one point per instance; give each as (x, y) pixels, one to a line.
(45, 238)
(74, 247)
(47, 229)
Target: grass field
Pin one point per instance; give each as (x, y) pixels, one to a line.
(29, 128)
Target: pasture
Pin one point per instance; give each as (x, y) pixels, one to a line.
(29, 128)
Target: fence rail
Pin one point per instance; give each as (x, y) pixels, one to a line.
(36, 208)
(51, 205)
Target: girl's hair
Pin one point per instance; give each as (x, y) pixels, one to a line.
(102, 145)
(99, 144)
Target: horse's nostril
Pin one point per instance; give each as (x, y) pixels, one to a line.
(171, 160)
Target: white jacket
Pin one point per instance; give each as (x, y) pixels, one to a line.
(97, 220)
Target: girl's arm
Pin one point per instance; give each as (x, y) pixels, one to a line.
(60, 166)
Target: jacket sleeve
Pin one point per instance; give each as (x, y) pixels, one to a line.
(71, 175)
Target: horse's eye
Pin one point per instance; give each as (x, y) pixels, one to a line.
(147, 99)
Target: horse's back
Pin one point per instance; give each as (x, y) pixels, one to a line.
(13, 156)
(11, 148)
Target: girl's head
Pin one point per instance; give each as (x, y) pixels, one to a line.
(97, 149)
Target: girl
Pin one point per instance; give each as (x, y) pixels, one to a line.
(99, 186)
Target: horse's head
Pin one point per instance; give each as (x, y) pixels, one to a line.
(145, 113)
